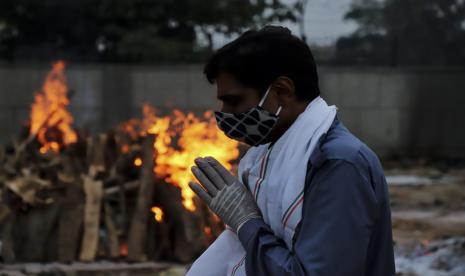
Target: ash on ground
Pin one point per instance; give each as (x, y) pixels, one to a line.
(436, 258)
(428, 217)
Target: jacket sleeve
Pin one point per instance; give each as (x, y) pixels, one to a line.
(338, 215)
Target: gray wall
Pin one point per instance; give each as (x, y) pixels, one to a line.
(398, 112)
(407, 111)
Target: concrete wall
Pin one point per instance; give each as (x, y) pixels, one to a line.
(399, 112)
(407, 111)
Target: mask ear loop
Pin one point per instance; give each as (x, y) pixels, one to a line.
(264, 98)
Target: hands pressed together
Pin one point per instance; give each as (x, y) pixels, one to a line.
(224, 194)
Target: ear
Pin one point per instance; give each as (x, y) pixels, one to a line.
(285, 90)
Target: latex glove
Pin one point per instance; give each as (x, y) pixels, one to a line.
(224, 194)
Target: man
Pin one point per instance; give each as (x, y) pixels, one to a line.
(310, 199)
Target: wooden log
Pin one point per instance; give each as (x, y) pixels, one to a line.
(71, 169)
(168, 198)
(93, 188)
(24, 144)
(141, 215)
(4, 210)
(8, 241)
(153, 243)
(123, 177)
(192, 240)
(126, 187)
(27, 187)
(70, 224)
(96, 156)
(183, 231)
(35, 233)
(113, 244)
(123, 209)
(111, 151)
(93, 191)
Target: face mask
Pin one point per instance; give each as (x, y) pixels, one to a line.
(251, 127)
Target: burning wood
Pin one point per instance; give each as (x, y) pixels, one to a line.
(138, 230)
(158, 213)
(117, 195)
(196, 138)
(49, 113)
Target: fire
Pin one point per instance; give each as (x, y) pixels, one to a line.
(49, 112)
(180, 138)
(137, 162)
(123, 249)
(197, 137)
(158, 213)
(125, 149)
(208, 231)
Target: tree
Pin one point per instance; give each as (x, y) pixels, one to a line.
(301, 7)
(405, 32)
(125, 30)
(233, 16)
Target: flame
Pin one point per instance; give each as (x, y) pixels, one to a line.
(123, 249)
(137, 162)
(158, 213)
(180, 138)
(49, 111)
(196, 137)
(208, 231)
(125, 148)
(131, 127)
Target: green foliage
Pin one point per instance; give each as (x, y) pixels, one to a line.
(405, 32)
(125, 30)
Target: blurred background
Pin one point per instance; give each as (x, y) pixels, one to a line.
(103, 107)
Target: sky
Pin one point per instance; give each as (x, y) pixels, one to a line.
(324, 22)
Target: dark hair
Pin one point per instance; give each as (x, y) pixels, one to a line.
(257, 58)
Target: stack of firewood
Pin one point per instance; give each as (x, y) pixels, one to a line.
(89, 201)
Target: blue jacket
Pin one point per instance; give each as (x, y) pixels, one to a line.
(346, 220)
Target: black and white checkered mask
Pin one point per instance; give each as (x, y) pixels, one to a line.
(251, 127)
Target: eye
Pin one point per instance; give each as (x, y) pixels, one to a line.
(234, 102)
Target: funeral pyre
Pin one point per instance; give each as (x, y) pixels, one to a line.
(123, 194)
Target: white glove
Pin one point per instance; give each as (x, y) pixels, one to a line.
(224, 194)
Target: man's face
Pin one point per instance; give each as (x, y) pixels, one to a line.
(236, 98)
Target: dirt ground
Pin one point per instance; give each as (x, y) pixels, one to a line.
(428, 216)
(99, 268)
